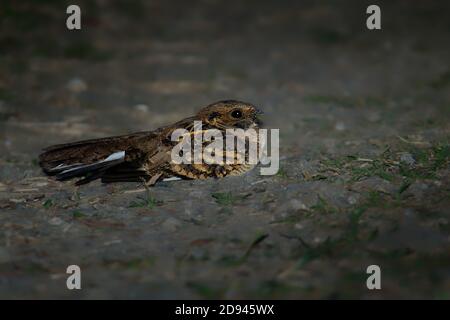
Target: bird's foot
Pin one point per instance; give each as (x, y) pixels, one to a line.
(152, 181)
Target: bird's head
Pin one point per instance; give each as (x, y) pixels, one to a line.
(231, 114)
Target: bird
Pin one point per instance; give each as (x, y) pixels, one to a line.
(146, 156)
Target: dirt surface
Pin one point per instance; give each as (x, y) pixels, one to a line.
(364, 125)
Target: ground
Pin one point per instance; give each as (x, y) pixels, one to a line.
(364, 126)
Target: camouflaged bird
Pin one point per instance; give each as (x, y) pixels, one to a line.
(146, 156)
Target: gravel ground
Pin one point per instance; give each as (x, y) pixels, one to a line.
(364, 126)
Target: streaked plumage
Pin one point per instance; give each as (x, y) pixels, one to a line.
(147, 155)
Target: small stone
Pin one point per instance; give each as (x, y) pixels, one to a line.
(340, 126)
(373, 116)
(5, 204)
(297, 204)
(40, 184)
(417, 190)
(437, 183)
(21, 200)
(171, 224)
(408, 159)
(259, 189)
(141, 108)
(115, 241)
(374, 184)
(199, 253)
(409, 213)
(299, 226)
(57, 276)
(353, 199)
(283, 215)
(37, 197)
(55, 221)
(76, 85)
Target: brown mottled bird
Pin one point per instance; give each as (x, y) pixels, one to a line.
(146, 156)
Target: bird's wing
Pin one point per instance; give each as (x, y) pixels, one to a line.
(154, 162)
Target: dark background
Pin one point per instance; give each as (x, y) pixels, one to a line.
(364, 125)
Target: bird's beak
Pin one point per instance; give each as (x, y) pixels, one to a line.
(258, 111)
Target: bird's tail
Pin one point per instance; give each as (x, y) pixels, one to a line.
(89, 159)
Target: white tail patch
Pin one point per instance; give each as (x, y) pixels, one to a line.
(172, 179)
(62, 167)
(116, 156)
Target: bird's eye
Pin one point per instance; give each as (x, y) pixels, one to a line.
(236, 114)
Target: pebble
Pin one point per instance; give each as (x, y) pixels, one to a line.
(409, 213)
(417, 190)
(141, 108)
(41, 184)
(317, 240)
(374, 183)
(199, 253)
(55, 221)
(171, 224)
(297, 204)
(57, 276)
(353, 199)
(340, 126)
(408, 159)
(21, 200)
(373, 117)
(437, 183)
(108, 243)
(77, 85)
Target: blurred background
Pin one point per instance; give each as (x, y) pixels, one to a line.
(364, 125)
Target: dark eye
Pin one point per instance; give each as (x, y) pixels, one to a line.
(236, 114)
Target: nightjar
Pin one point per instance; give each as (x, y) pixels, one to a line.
(147, 156)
